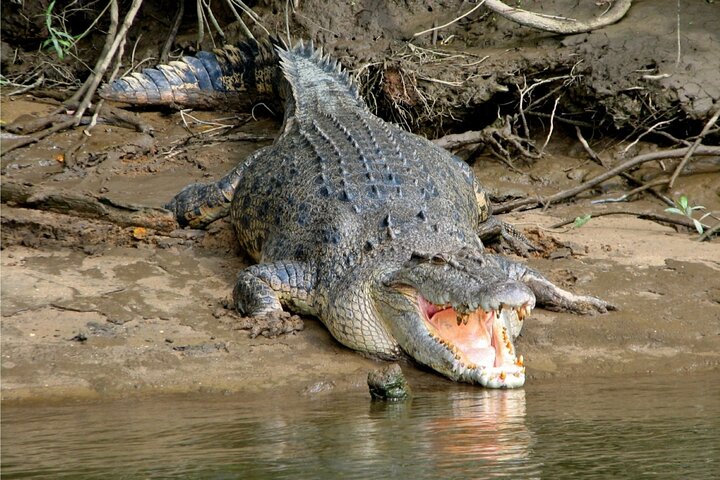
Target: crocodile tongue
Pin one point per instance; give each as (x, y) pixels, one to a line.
(480, 338)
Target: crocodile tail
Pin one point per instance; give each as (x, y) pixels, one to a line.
(236, 76)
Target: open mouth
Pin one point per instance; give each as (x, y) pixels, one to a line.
(479, 340)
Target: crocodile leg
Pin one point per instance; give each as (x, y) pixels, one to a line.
(490, 227)
(494, 227)
(549, 295)
(263, 289)
(199, 204)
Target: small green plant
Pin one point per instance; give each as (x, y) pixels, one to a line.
(60, 40)
(683, 207)
(581, 220)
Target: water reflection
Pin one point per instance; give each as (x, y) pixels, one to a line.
(464, 431)
(597, 430)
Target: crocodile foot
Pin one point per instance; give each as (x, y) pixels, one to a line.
(271, 325)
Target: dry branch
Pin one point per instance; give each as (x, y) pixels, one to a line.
(640, 159)
(713, 120)
(682, 221)
(104, 62)
(165, 52)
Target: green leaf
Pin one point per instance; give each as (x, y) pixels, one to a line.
(698, 226)
(58, 50)
(581, 220)
(683, 202)
(674, 210)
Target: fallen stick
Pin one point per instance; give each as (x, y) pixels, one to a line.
(641, 187)
(684, 222)
(569, 193)
(692, 148)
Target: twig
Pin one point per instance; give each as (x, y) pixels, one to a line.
(165, 52)
(648, 131)
(695, 145)
(635, 191)
(455, 140)
(684, 222)
(709, 232)
(677, 59)
(574, 123)
(254, 16)
(433, 29)
(552, 126)
(596, 158)
(640, 159)
(212, 20)
(103, 63)
(523, 91)
(27, 88)
(200, 21)
(246, 31)
(591, 153)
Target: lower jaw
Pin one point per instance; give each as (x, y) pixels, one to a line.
(495, 377)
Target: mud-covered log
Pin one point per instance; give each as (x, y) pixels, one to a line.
(88, 206)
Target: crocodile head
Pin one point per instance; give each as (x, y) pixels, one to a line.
(458, 314)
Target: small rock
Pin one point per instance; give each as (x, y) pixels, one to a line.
(388, 383)
(80, 337)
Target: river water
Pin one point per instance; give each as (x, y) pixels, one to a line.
(648, 427)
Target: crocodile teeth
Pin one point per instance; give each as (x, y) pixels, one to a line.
(462, 318)
(523, 312)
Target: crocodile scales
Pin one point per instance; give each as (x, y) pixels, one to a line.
(370, 228)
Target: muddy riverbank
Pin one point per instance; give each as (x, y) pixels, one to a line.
(93, 308)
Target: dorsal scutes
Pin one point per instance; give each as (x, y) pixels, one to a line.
(308, 70)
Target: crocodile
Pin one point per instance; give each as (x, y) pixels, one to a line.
(372, 229)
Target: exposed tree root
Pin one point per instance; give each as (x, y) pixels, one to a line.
(560, 25)
(501, 141)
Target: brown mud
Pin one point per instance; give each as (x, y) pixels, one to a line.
(94, 309)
